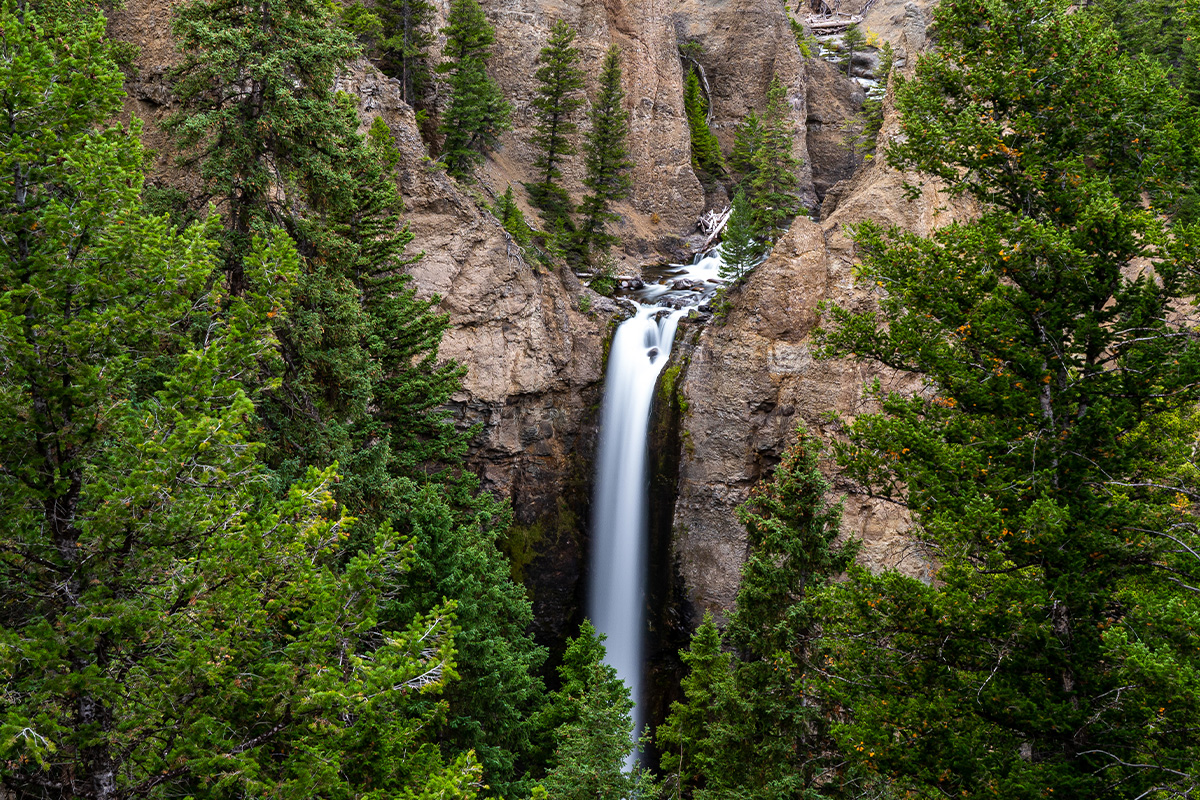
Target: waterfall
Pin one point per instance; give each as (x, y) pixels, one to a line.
(640, 349)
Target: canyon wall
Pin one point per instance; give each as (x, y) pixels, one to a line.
(535, 359)
(753, 377)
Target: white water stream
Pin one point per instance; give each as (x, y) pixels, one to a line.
(640, 349)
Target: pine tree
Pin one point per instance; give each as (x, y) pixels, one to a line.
(750, 725)
(559, 96)
(740, 251)
(491, 709)
(476, 113)
(773, 185)
(747, 141)
(165, 624)
(706, 150)
(608, 162)
(1167, 31)
(692, 740)
(397, 36)
(593, 726)
(853, 40)
(1056, 370)
(362, 383)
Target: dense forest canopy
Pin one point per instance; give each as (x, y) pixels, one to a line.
(243, 556)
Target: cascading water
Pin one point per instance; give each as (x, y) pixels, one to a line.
(640, 349)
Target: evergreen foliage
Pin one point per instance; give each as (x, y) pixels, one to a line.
(397, 34)
(404, 45)
(750, 724)
(364, 386)
(853, 40)
(559, 96)
(476, 113)
(258, 150)
(491, 710)
(166, 627)
(1169, 32)
(803, 43)
(740, 252)
(512, 218)
(607, 154)
(772, 180)
(706, 150)
(748, 140)
(692, 738)
(1056, 650)
(593, 728)
(1157, 28)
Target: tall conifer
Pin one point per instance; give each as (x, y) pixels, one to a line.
(287, 153)
(607, 154)
(593, 727)
(773, 182)
(559, 96)
(740, 251)
(747, 141)
(405, 45)
(749, 725)
(260, 150)
(706, 150)
(477, 112)
(853, 39)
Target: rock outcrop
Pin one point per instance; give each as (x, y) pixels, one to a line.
(534, 359)
(742, 44)
(663, 181)
(834, 126)
(751, 379)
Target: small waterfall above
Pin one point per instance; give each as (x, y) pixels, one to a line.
(640, 350)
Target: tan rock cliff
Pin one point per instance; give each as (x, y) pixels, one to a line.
(534, 361)
(751, 380)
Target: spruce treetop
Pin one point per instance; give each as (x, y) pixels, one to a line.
(469, 36)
